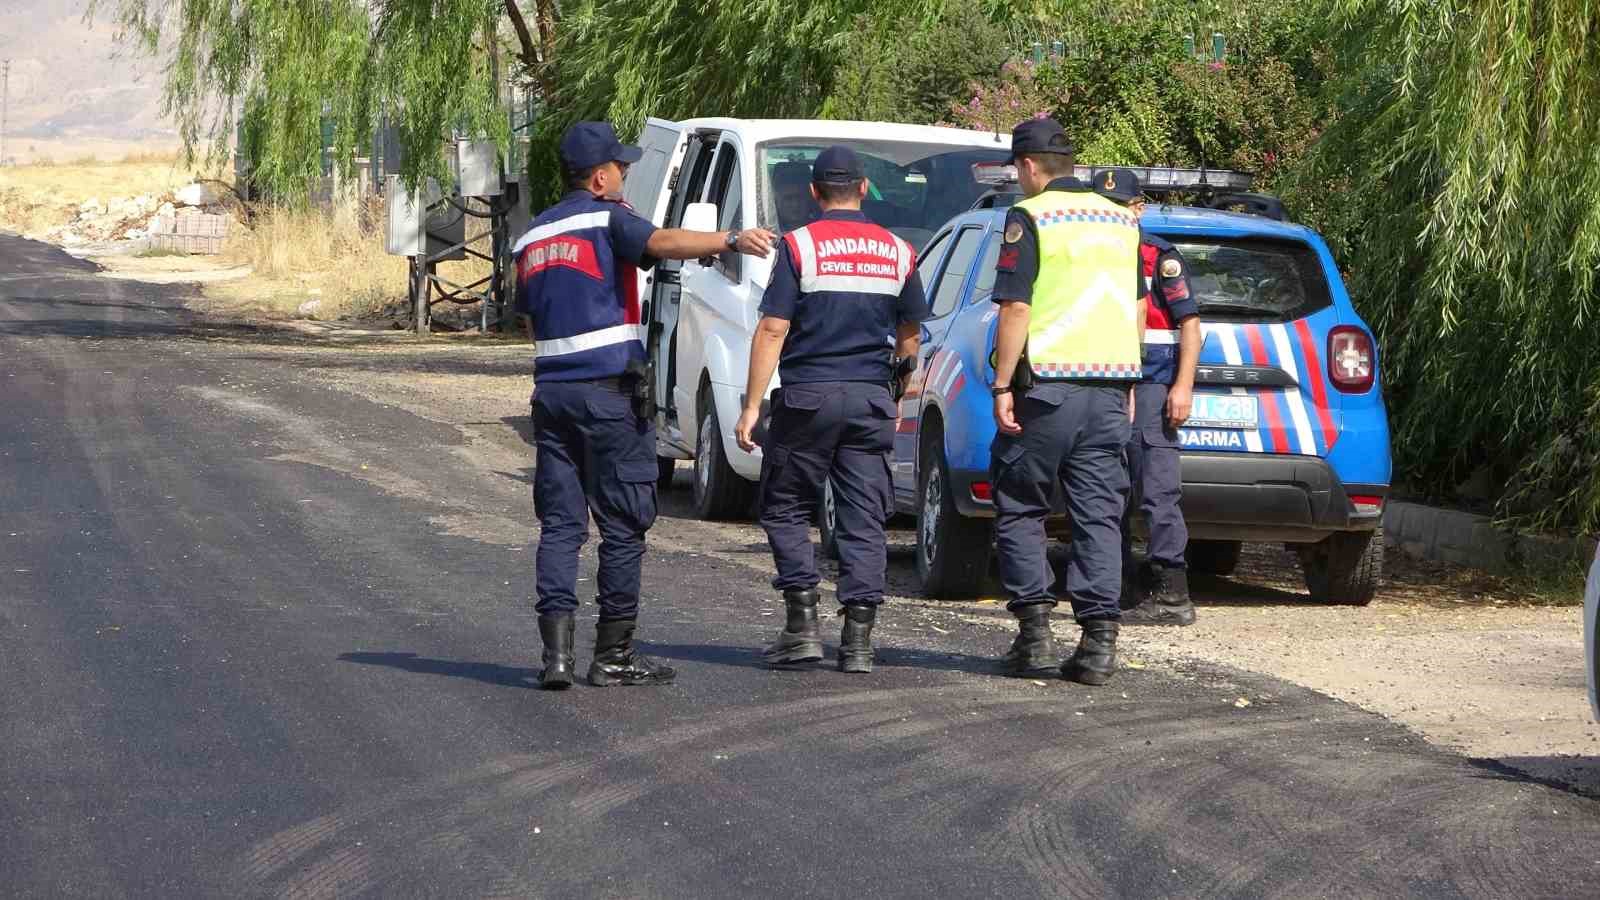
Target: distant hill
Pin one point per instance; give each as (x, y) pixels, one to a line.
(70, 82)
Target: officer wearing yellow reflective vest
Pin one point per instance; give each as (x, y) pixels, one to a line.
(1066, 357)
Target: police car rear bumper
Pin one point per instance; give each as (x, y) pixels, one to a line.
(1261, 497)
(1240, 497)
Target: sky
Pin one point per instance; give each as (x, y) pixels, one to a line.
(71, 81)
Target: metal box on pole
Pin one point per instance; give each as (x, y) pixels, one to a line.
(407, 213)
(478, 163)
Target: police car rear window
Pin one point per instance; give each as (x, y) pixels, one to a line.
(1254, 279)
(915, 187)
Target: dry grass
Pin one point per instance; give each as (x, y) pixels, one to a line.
(334, 255)
(34, 198)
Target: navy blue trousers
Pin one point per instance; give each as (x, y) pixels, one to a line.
(1074, 435)
(841, 430)
(1157, 480)
(593, 456)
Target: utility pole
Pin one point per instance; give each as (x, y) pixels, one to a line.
(5, 101)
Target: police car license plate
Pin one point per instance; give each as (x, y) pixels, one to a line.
(1223, 411)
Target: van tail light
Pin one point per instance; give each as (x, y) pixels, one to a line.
(982, 491)
(1350, 359)
(1367, 505)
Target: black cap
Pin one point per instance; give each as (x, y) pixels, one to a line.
(837, 165)
(1120, 185)
(1039, 136)
(589, 144)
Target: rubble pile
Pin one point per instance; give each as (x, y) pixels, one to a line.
(194, 211)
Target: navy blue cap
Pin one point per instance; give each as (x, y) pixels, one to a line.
(1039, 136)
(589, 144)
(837, 165)
(1120, 185)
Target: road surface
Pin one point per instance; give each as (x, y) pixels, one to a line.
(261, 637)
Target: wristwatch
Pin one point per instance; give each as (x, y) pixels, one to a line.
(1000, 389)
(733, 239)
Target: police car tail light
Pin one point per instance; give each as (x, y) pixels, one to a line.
(995, 174)
(1367, 505)
(1350, 359)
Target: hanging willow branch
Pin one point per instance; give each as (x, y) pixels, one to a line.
(287, 70)
(1474, 228)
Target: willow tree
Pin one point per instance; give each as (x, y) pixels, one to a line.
(1466, 176)
(283, 71)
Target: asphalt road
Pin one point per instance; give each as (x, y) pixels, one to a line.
(232, 668)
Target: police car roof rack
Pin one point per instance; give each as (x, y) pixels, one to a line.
(1218, 189)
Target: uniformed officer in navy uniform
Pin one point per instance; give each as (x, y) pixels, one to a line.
(843, 299)
(1067, 282)
(1160, 585)
(595, 454)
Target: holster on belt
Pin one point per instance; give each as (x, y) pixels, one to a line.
(901, 371)
(1022, 375)
(639, 383)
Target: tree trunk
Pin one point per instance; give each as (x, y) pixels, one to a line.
(535, 56)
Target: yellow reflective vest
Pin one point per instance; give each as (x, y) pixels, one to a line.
(1084, 322)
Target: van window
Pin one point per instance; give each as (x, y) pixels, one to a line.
(727, 192)
(691, 180)
(915, 186)
(646, 178)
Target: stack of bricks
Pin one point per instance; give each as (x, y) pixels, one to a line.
(189, 231)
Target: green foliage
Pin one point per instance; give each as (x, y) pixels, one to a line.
(1461, 180)
(287, 66)
(624, 60)
(903, 66)
(1129, 92)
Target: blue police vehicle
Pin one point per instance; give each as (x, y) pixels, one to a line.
(1288, 441)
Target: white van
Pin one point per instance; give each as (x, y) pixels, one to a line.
(716, 174)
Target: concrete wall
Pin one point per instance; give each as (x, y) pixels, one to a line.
(1447, 535)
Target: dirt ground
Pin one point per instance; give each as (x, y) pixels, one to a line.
(1472, 662)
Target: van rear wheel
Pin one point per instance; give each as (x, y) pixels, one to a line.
(719, 491)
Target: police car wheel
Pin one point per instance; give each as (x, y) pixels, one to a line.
(719, 491)
(1213, 557)
(1344, 568)
(952, 550)
(828, 522)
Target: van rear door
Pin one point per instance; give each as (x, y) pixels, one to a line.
(649, 180)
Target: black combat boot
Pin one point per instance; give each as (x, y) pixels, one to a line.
(855, 639)
(616, 662)
(1034, 650)
(1166, 602)
(1096, 656)
(555, 630)
(799, 641)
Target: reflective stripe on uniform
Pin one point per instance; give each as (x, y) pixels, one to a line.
(1160, 336)
(589, 340)
(578, 222)
(854, 284)
(887, 281)
(807, 250)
